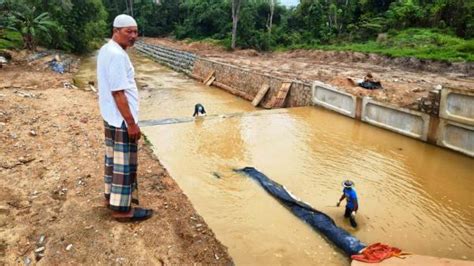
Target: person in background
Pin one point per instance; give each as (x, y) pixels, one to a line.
(352, 205)
(199, 110)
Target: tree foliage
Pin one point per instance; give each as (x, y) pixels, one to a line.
(79, 25)
(30, 25)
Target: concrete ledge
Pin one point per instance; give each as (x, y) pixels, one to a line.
(404, 121)
(333, 99)
(457, 105)
(456, 136)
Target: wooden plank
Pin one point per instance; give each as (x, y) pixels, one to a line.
(209, 82)
(209, 77)
(261, 93)
(279, 98)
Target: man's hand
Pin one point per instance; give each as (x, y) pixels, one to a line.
(134, 132)
(122, 104)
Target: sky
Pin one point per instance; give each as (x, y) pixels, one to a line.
(289, 2)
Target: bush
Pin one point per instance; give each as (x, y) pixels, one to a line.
(419, 43)
(466, 47)
(10, 39)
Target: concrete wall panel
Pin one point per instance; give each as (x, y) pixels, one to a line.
(333, 99)
(457, 105)
(456, 136)
(401, 120)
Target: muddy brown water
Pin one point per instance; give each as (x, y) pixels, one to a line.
(412, 195)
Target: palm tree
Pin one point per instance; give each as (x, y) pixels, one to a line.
(29, 25)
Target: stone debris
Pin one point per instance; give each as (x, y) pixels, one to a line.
(27, 261)
(3, 60)
(418, 90)
(69, 85)
(25, 94)
(40, 249)
(41, 240)
(430, 104)
(38, 55)
(69, 247)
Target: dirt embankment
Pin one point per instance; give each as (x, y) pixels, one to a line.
(51, 199)
(405, 81)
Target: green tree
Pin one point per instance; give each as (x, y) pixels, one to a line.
(29, 24)
(203, 18)
(9, 38)
(309, 20)
(157, 19)
(83, 24)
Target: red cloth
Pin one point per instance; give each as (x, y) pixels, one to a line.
(376, 253)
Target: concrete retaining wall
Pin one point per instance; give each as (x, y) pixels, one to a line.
(456, 136)
(334, 99)
(458, 106)
(249, 82)
(177, 60)
(401, 120)
(453, 129)
(456, 128)
(404, 121)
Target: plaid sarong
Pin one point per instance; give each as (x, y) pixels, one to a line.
(120, 176)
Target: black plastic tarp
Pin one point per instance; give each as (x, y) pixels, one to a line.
(318, 220)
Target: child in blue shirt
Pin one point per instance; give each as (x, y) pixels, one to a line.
(352, 205)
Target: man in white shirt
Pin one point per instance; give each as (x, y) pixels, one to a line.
(118, 102)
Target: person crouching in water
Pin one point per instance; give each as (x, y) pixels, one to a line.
(352, 205)
(199, 110)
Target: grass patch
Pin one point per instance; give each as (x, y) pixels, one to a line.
(429, 44)
(224, 43)
(414, 42)
(147, 141)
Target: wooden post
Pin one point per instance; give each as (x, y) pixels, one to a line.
(279, 98)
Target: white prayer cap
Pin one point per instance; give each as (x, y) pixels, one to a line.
(122, 21)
